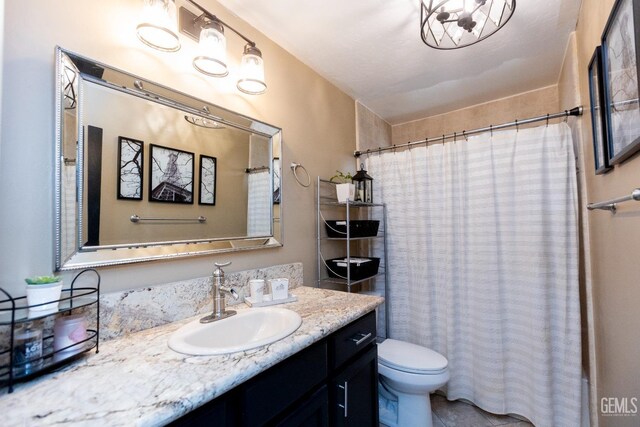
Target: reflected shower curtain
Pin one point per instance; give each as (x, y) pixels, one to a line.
(483, 266)
(259, 204)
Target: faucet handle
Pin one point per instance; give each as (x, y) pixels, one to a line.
(218, 273)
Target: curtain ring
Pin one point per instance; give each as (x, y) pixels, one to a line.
(547, 119)
(566, 116)
(394, 148)
(442, 139)
(409, 145)
(517, 128)
(465, 135)
(294, 168)
(454, 138)
(491, 130)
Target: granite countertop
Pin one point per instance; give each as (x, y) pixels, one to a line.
(138, 380)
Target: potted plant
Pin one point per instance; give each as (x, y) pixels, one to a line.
(345, 189)
(43, 293)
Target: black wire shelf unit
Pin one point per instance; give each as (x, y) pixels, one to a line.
(15, 311)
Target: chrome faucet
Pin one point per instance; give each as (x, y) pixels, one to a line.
(219, 289)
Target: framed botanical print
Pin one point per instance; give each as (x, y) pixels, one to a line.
(130, 168)
(171, 175)
(598, 116)
(208, 166)
(620, 58)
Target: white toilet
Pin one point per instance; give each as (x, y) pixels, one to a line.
(408, 373)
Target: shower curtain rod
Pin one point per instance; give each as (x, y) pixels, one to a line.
(576, 111)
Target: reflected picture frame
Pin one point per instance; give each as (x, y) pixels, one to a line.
(208, 174)
(130, 168)
(620, 52)
(598, 114)
(171, 177)
(276, 180)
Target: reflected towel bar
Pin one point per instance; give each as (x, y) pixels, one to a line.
(135, 218)
(610, 205)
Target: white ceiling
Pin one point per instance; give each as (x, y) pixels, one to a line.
(372, 50)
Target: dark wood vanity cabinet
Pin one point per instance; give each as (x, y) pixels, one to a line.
(334, 382)
(354, 379)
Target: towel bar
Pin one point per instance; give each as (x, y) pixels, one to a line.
(136, 218)
(610, 205)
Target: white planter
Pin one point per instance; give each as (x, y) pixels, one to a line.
(345, 191)
(41, 294)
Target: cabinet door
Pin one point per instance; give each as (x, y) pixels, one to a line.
(354, 397)
(219, 412)
(314, 412)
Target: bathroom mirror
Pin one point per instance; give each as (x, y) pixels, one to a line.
(144, 172)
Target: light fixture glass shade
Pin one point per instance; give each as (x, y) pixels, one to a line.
(212, 51)
(251, 79)
(451, 24)
(158, 26)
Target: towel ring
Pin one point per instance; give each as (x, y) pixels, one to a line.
(294, 168)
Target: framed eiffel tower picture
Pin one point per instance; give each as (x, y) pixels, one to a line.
(170, 175)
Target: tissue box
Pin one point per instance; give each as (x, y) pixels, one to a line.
(361, 268)
(357, 228)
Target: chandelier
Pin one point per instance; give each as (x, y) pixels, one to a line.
(452, 24)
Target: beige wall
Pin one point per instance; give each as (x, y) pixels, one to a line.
(317, 119)
(614, 244)
(372, 130)
(118, 114)
(520, 106)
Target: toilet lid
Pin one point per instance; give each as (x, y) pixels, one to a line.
(411, 358)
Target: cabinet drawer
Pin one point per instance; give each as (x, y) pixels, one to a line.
(274, 390)
(349, 340)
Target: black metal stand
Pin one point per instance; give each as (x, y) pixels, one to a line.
(15, 311)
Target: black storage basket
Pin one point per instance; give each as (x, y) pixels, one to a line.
(357, 228)
(337, 268)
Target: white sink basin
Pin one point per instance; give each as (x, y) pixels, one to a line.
(246, 330)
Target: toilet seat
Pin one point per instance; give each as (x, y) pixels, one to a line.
(411, 358)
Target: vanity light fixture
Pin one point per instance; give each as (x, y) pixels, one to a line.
(212, 50)
(452, 24)
(252, 71)
(211, 123)
(209, 31)
(158, 26)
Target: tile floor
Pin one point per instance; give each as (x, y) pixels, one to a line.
(461, 414)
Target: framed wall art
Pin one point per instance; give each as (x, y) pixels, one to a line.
(130, 168)
(598, 116)
(276, 180)
(170, 175)
(208, 170)
(620, 59)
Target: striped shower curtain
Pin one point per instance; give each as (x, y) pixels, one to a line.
(483, 266)
(259, 204)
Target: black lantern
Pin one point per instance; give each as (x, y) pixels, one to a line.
(364, 186)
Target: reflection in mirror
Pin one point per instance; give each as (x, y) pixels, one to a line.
(144, 172)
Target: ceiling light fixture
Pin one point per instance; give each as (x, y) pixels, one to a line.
(158, 28)
(452, 24)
